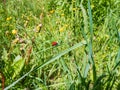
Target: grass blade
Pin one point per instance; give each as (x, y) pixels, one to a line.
(91, 40)
(117, 61)
(86, 70)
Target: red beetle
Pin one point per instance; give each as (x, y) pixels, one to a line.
(54, 43)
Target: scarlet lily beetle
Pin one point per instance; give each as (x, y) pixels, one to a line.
(54, 43)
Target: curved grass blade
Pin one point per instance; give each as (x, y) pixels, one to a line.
(48, 62)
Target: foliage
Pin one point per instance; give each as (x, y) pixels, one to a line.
(86, 53)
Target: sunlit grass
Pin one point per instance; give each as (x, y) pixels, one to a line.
(60, 44)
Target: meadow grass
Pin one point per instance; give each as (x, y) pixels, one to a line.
(60, 45)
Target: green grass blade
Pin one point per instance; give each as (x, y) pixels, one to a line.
(86, 70)
(91, 40)
(117, 61)
(90, 19)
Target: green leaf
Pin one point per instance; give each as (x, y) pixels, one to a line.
(5, 55)
(17, 65)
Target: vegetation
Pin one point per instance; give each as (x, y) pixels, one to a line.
(60, 44)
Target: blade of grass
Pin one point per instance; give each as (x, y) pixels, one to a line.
(66, 68)
(117, 61)
(84, 32)
(91, 40)
(81, 78)
(86, 70)
(85, 17)
(113, 82)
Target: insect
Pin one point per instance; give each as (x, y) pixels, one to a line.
(54, 43)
